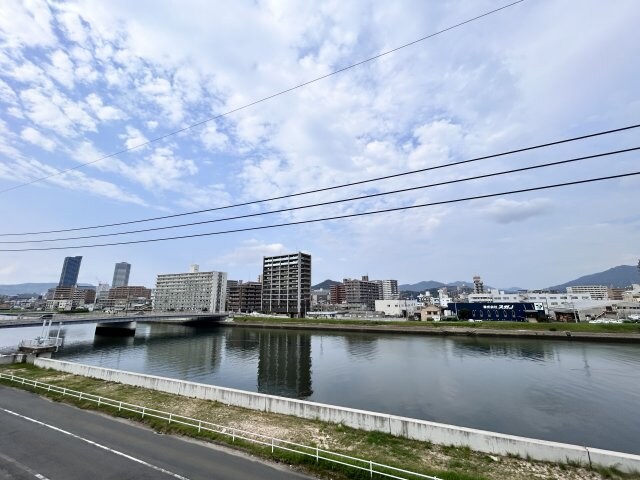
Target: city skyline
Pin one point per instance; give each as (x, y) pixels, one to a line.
(82, 81)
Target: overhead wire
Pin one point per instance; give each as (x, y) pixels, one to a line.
(333, 202)
(335, 187)
(335, 217)
(264, 99)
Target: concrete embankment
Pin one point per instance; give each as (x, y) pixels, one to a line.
(450, 331)
(438, 433)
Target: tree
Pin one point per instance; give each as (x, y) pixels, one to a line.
(464, 314)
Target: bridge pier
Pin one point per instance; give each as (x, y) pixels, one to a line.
(116, 329)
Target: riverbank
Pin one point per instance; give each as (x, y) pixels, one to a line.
(623, 333)
(442, 461)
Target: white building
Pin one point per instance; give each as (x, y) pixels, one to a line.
(194, 291)
(597, 292)
(397, 308)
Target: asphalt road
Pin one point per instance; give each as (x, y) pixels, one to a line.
(46, 440)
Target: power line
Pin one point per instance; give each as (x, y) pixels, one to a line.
(344, 185)
(336, 217)
(264, 99)
(333, 202)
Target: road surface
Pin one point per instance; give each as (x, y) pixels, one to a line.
(41, 439)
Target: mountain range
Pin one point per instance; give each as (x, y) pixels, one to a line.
(619, 277)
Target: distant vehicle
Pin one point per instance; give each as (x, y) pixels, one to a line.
(46, 316)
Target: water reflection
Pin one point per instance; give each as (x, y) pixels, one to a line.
(534, 351)
(284, 366)
(362, 345)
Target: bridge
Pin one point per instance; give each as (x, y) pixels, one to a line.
(185, 318)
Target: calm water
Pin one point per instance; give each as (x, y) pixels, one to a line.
(582, 393)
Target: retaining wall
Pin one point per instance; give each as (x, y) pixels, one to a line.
(438, 433)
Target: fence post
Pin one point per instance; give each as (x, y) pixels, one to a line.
(199, 425)
(272, 442)
(317, 455)
(99, 398)
(120, 406)
(80, 397)
(49, 388)
(169, 418)
(64, 391)
(142, 412)
(371, 467)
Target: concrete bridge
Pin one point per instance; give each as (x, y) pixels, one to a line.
(123, 323)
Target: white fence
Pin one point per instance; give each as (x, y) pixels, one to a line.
(235, 434)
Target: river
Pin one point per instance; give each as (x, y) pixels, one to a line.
(575, 392)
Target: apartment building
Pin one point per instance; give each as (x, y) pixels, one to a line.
(364, 292)
(194, 291)
(244, 297)
(597, 292)
(286, 284)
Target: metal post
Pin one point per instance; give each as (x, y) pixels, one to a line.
(272, 441)
(199, 425)
(99, 398)
(317, 455)
(169, 418)
(142, 412)
(371, 467)
(80, 397)
(120, 406)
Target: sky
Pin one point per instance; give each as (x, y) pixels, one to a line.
(84, 79)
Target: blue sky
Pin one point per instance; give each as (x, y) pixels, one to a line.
(79, 80)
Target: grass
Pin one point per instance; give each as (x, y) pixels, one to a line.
(450, 463)
(395, 325)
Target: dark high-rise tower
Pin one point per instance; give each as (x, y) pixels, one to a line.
(121, 275)
(70, 271)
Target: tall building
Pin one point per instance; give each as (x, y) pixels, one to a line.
(245, 297)
(337, 294)
(70, 271)
(286, 284)
(478, 285)
(364, 292)
(194, 291)
(388, 289)
(121, 275)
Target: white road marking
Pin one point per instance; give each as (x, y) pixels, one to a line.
(21, 466)
(91, 442)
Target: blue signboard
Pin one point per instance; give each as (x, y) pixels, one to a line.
(511, 312)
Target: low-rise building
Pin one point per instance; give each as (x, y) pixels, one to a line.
(597, 292)
(397, 308)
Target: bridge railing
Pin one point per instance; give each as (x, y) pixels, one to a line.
(236, 434)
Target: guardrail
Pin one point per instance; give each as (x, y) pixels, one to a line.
(201, 425)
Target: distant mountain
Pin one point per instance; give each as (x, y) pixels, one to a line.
(37, 288)
(34, 288)
(420, 286)
(324, 285)
(620, 276)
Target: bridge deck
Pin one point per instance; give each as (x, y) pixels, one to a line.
(151, 317)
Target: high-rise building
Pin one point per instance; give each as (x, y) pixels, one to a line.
(245, 297)
(388, 289)
(363, 292)
(70, 271)
(286, 284)
(121, 275)
(478, 285)
(196, 291)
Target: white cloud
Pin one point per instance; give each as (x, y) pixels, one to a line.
(509, 211)
(103, 112)
(32, 135)
(163, 170)
(213, 139)
(249, 253)
(61, 68)
(133, 138)
(26, 23)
